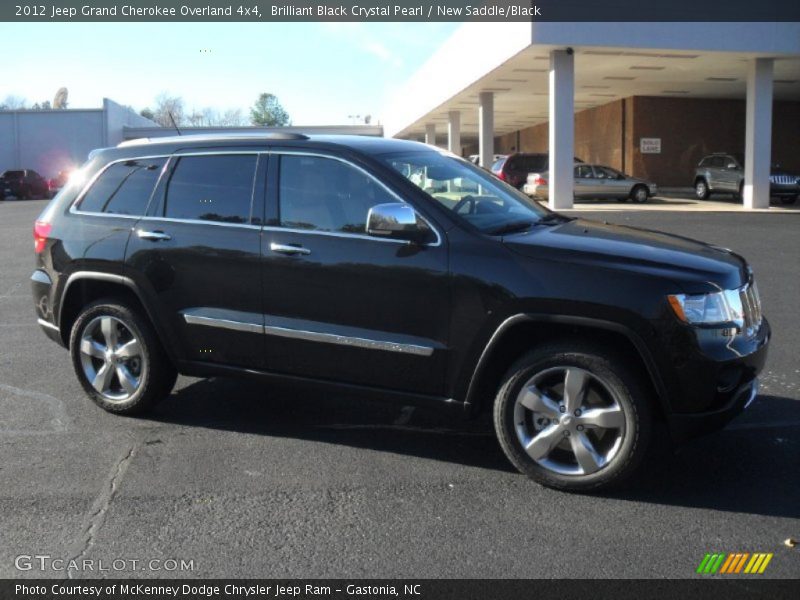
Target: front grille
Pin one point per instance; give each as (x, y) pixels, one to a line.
(751, 305)
(783, 179)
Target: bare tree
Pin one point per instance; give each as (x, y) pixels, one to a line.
(211, 117)
(233, 117)
(169, 110)
(13, 102)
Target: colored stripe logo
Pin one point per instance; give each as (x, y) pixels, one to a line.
(734, 563)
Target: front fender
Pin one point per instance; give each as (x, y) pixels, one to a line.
(472, 400)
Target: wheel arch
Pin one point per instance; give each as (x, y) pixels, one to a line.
(520, 332)
(85, 287)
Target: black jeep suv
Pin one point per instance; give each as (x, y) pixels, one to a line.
(389, 269)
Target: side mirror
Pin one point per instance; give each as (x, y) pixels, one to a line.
(397, 221)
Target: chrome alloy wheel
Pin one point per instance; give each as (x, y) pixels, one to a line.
(112, 358)
(569, 421)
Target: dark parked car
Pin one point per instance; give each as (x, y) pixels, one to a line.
(514, 168)
(725, 173)
(384, 269)
(59, 181)
(24, 184)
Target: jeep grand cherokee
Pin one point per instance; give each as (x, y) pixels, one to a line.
(388, 269)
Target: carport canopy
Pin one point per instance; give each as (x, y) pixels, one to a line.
(490, 79)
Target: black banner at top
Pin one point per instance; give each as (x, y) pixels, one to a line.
(399, 10)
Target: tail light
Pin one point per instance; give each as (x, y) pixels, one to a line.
(41, 230)
(539, 180)
(501, 176)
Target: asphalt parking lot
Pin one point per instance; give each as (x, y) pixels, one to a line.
(247, 481)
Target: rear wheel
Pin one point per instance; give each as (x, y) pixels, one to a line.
(571, 416)
(639, 194)
(788, 199)
(119, 359)
(701, 189)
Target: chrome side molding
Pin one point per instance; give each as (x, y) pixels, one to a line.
(224, 320)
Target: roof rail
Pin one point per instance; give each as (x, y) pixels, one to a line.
(267, 135)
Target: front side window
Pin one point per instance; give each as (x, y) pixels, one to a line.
(584, 172)
(323, 194)
(124, 188)
(216, 187)
(718, 162)
(607, 173)
(478, 197)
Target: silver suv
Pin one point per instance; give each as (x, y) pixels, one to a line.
(724, 173)
(719, 173)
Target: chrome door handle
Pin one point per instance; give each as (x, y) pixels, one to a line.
(287, 249)
(153, 235)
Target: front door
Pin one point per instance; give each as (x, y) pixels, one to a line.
(341, 305)
(196, 254)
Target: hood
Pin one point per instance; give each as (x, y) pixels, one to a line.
(694, 265)
(778, 170)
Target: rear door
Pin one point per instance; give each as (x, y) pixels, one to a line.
(614, 183)
(585, 182)
(196, 255)
(341, 305)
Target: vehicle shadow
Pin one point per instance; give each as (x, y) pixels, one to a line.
(279, 411)
(750, 467)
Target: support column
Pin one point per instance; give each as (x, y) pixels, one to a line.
(758, 133)
(562, 129)
(486, 129)
(430, 133)
(454, 132)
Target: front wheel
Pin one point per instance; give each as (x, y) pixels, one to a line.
(119, 359)
(701, 189)
(639, 194)
(571, 416)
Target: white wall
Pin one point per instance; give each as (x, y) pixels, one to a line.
(51, 140)
(48, 140)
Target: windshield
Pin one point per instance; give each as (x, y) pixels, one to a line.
(478, 197)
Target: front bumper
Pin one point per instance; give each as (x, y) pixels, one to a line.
(684, 427)
(784, 189)
(716, 383)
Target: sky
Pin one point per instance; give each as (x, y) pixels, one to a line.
(322, 73)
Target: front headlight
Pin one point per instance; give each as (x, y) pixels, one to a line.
(717, 308)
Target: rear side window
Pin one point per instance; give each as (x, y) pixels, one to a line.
(14, 174)
(324, 194)
(124, 188)
(535, 163)
(211, 188)
(498, 164)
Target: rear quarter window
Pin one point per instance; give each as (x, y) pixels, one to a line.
(124, 188)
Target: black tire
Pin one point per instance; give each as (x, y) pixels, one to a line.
(787, 199)
(701, 189)
(628, 444)
(739, 195)
(639, 194)
(156, 375)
